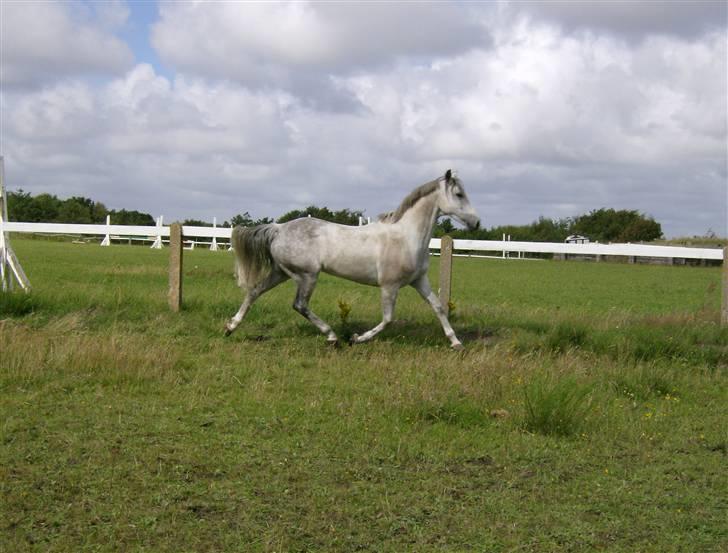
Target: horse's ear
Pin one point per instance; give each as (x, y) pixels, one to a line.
(448, 175)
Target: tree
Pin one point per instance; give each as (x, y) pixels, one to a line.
(641, 230)
(195, 223)
(74, 211)
(20, 206)
(99, 212)
(443, 227)
(343, 216)
(609, 225)
(550, 230)
(132, 217)
(45, 208)
(245, 220)
(241, 220)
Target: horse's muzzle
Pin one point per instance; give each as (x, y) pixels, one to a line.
(473, 223)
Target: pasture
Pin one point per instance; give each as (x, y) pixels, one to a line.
(588, 411)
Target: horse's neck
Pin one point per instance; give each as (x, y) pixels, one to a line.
(419, 220)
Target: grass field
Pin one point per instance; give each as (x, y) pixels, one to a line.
(588, 411)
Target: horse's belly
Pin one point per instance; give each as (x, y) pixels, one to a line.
(353, 267)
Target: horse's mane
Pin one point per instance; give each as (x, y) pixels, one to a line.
(411, 199)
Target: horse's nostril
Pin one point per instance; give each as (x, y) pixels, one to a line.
(477, 225)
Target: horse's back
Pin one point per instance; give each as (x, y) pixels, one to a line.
(312, 245)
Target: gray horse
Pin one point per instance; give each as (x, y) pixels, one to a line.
(390, 253)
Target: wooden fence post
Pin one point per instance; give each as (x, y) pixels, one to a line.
(724, 309)
(175, 267)
(445, 272)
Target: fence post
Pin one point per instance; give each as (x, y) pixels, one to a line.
(445, 272)
(175, 267)
(724, 310)
(107, 239)
(9, 264)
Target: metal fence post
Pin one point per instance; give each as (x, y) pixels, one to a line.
(175, 267)
(445, 272)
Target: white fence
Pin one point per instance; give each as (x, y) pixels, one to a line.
(593, 249)
(505, 247)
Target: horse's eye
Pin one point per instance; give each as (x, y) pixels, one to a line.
(460, 195)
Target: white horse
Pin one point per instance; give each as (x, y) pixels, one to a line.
(391, 253)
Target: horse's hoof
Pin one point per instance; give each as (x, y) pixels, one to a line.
(354, 339)
(228, 330)
(332, 343)
(458, 347)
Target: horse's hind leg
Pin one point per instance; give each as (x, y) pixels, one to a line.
(275, 277)
(306, 283)
(389, 298)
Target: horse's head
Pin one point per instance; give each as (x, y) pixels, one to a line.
(454, 202)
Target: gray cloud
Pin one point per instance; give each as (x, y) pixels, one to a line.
(633, 20)
(46, 41)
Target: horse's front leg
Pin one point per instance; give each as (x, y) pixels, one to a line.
(389, 298)
(422, 285)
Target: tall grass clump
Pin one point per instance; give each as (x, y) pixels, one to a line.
(645, 382)
(556, 408)
(453, 411)
(566, 336)
(17, 304)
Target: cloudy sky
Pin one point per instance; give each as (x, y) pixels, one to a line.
(197, 109)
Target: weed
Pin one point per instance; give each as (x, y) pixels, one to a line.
(555, 408)
(344, 310)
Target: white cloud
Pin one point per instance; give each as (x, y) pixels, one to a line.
(536, 121)
(545, 99)
(44, 41)
(298, 45)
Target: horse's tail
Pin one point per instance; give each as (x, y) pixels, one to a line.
(253, 258)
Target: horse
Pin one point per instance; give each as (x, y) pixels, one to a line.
(390, 253)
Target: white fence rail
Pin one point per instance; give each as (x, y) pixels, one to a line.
(595, 249)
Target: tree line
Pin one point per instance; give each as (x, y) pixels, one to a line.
(48, 208)
(604, 225)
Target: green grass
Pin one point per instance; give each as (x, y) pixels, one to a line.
(557, 408)
(126, 427)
